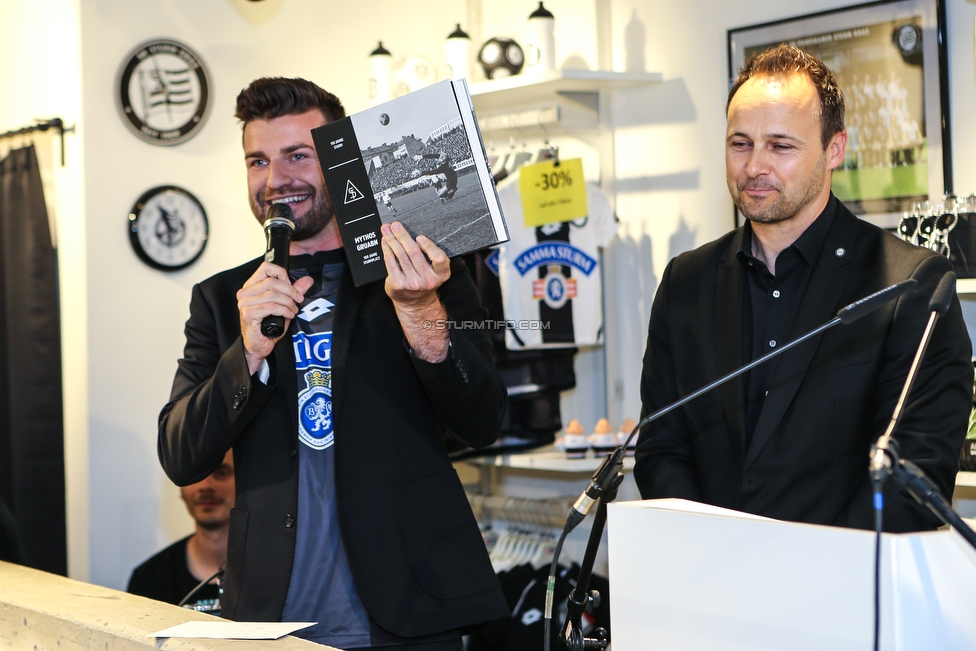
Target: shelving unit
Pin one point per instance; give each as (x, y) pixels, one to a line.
(581, 86)
(575, 105)
(550, 460)
(572, 104)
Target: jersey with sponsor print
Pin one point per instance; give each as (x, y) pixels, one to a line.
(321, 588)
(551, 276)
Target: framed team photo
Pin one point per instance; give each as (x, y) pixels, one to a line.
(889, 58)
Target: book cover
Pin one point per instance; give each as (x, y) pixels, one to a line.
(417, 159)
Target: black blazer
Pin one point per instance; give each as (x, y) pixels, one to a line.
(829, 398)
(417, 556)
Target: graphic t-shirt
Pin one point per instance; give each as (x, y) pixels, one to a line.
(550, 275)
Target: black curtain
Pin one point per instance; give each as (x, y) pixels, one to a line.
(31, 415)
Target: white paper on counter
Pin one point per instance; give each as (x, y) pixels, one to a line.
(232, 630)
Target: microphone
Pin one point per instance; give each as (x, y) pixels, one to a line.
(278, 228)
(884, 453)
(942, 296)
(614, 461)
(857, 309)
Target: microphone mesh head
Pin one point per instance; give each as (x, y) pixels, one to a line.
(279, 216)
(942, 296)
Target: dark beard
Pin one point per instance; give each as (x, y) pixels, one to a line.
(790, 203)
(210, 525)
(315, 220)
(311, 224)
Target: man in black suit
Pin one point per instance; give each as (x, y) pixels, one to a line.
(348, 510)
(790, 439)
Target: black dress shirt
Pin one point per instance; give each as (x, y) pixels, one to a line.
(769, 303)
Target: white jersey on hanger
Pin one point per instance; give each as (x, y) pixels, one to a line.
(550, 276)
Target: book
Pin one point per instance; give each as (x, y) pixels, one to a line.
(418, 159)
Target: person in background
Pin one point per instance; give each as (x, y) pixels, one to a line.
(174, 572)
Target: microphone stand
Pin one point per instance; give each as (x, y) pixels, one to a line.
(581, 597)
(603, 489)
(220, 588)
(886, 463)
(910, 477)
(606, 479)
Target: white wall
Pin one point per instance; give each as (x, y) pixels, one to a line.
(124, 320)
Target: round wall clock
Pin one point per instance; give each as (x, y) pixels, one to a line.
(162, 91)
(168, 228)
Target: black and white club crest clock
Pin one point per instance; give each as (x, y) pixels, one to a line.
(168, 228)
(163, 92)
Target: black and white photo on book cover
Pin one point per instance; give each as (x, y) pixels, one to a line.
(419, 160)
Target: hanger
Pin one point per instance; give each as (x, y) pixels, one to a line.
(517, 159)
(548, 151)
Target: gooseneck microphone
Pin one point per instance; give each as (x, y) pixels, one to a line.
(278, 228)
(884, 461)
(603, 484)
(883, 455)
(615, 460)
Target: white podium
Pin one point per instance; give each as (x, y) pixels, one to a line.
(688, 576)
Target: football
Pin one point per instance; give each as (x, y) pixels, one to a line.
(501, 57)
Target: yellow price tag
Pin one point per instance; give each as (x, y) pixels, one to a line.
(553, 193)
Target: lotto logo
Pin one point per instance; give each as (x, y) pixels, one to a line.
(531, 616)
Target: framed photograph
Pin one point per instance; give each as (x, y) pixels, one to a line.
(889, 58)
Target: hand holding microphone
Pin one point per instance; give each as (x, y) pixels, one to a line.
(269, 298)
(278, 228)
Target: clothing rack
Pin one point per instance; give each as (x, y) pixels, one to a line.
(538, 118)
(43, 125)
(521, 510)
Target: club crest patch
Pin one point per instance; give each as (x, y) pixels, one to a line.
(315, 410)
(555, 289)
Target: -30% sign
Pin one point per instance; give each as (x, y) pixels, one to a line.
(553, 193)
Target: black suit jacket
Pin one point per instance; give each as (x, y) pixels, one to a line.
(829, 398)
(417, 556)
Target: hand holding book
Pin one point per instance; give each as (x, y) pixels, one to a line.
(415, 269)
(418, 160)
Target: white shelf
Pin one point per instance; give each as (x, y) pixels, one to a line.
(967, 479)
(548, 460)
(521, 90)
(966, 286)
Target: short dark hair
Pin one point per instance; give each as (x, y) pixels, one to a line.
(274, 97)
(783, 60)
